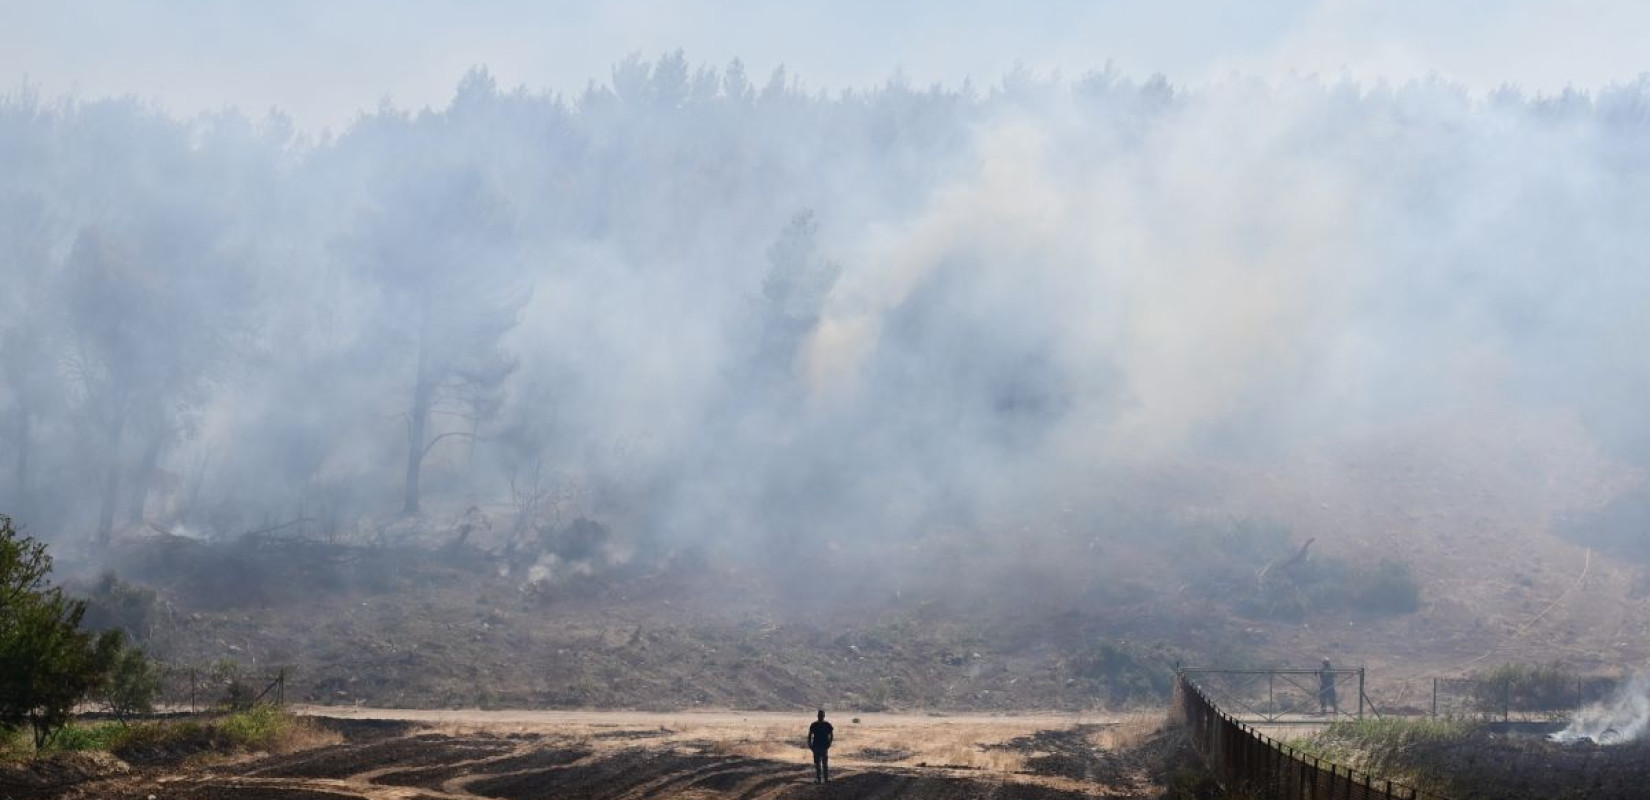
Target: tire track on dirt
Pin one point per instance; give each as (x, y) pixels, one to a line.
(451, 778)
(712, 777)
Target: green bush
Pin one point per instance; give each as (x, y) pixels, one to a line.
(237, 691)
(97, 736)
(261, 727)
(48, 664)
(132, 685)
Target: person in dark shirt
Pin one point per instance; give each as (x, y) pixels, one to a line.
(819, 741)
(1326, 690)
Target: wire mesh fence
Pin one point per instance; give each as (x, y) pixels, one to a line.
(1247, 762)
(1518, 697)
(223, 686)
(1284, 696)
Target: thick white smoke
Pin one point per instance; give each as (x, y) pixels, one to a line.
(1623, 718)
(714, 310)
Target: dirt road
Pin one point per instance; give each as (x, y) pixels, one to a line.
(521, 755)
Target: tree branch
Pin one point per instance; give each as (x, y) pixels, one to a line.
(436, 440)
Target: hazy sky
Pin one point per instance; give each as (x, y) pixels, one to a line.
(321, 60)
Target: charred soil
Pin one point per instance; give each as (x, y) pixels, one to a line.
(576, 765)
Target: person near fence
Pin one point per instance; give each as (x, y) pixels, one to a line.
(1326, 690)
(819, 741)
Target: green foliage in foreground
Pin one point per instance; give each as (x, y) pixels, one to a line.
(93, 736)
(260, 728)
(48, 663)
(131, 686)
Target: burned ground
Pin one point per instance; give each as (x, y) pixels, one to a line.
(1513, 767)
(518, 761)
(1087, 753)
(575, 765)
(414, 751)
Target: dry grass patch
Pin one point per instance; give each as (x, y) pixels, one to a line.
(1129, 733)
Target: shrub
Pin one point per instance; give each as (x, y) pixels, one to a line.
(164, 742)
(238, 693)
(99, 736)
(48, 664)
(132, 685)
(261, 727)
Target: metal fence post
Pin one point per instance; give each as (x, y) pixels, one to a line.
(1360, 693)
(1277, 774)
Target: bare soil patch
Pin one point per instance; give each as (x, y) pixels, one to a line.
(690, 759)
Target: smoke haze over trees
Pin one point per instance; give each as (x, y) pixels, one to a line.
(706, 306)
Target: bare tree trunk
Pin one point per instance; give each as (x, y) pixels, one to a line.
(111, 481)
(419, 419)
(416, 427)
(147, 465)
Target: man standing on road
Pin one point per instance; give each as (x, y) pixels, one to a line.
(819, 741)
